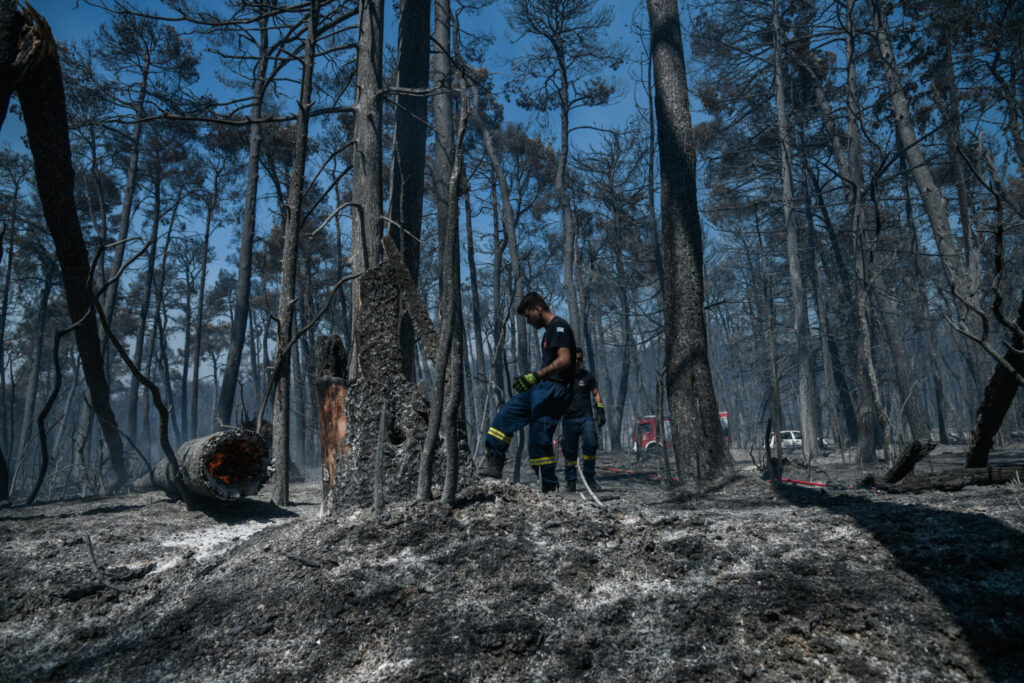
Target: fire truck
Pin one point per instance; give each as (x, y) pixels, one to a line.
(645, 437)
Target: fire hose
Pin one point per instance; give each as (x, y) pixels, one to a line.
(828, 485)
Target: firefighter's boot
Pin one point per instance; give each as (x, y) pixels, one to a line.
(493, 468)
(570, 486)
(548, 478)
(592, 483)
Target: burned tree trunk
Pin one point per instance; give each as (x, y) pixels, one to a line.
(36, 74)
(904, 465)
(381, 381)
(223, 466)
(331, 395)
(691, 394)
(999, 393)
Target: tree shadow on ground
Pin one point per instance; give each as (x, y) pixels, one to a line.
(242, 511)
(972, 563)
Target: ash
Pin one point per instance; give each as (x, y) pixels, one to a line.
(747, 582)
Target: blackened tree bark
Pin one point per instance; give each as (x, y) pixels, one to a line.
(211, 203)
(691, 394)
(405, 209)
(474, 291)
(40, 88)
(999, 393)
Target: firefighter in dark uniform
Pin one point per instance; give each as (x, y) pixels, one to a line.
(543, 397)
(578, 424)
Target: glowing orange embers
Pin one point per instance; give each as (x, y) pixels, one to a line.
(234, 462)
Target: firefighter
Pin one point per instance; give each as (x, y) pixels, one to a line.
(543, 397)
(578, 423)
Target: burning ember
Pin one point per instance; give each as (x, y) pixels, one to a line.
(235, 462)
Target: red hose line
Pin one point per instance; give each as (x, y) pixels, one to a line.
(806, 483)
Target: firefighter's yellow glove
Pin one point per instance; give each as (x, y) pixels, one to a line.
(524, 382)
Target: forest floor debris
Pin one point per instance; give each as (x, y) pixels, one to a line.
(749, 582)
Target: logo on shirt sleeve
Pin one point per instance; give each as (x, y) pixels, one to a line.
(559, 329)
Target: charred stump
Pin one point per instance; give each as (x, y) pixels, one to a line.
(382, 381)
(226, 465)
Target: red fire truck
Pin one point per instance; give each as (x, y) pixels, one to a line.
(645, 438)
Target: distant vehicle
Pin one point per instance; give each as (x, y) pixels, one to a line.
(645, 440)
(645, 437)
(791, 440)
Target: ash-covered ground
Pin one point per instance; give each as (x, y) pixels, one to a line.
(750, 581)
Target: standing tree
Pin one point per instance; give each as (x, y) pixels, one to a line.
(405, 206)
(289, 262)
(691, 394)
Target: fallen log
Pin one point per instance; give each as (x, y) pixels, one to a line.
(953, 480)
(226, 465)
(904, 465)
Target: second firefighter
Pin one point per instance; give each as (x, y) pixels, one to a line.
(578, 425)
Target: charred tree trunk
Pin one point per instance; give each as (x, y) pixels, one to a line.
(954, 480)
(691, 393)
(405, 208)
(508, 224)
(999, 393)
(31, 387)
(41, 94)
(904, 465)
(226, 465)
(381, 380)
(474, 289)
(212, 205)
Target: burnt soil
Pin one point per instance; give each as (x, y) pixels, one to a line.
(750, 581)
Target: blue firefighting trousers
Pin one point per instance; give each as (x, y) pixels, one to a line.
(573, 429)
(540, 406)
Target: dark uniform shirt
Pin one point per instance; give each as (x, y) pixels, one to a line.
(582, 387)
(558, 335)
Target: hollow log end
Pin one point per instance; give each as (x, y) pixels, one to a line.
(227, 465)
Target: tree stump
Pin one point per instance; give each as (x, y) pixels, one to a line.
(226, 465)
